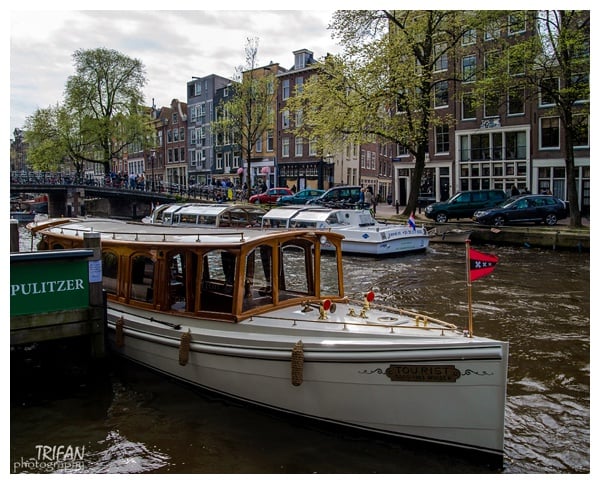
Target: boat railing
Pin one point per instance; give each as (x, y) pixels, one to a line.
(152, 236)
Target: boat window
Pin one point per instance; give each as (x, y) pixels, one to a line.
(296, 270)
(298, 224)
(187, 218)
(258, 288)
(329, 275)
(142, 278)
(110, 267)
(177, 281)
(217, 281)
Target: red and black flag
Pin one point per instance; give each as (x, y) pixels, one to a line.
(480, 264)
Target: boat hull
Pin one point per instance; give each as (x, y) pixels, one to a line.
(366, 387)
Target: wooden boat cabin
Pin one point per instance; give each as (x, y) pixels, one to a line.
(214, 274)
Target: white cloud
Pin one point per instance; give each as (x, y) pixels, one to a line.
(173, 45)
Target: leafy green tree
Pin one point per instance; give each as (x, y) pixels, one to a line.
(551, 62)
(47, 147)
(382, 88)
(101, 116)
(249, 112)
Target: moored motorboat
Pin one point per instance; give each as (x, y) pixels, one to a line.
(206, 215)
(363, 234)
(22, 216)
(263, 317)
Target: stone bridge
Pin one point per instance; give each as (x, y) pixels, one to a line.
(72, 200)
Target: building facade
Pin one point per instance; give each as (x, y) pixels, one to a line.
(299, 163)
(201, 92)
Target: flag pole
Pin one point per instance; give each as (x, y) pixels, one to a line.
(469, 285)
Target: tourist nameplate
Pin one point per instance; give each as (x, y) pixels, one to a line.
(424, 373)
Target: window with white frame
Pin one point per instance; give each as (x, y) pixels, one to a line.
(581, 84)
(181, 134)
(299, 85)
(197, 88)
(468, 106)
(258, 146)
(440, 52)
(516, 23)
(516, 101)
(285, 147)
(285, 89)
(516, 64)
(491, 104)
(492, 31)
(441, 94)
(299, 118)
(285, 118)
(469, 37)
(490, 58)
(299, 143)
(548, 86)
(550, 133)
(312, 147)
(442, 139)
(581, 127)
(469, 64)
(270, 145)
(219, 161)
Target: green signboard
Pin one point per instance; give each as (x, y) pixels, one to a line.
(48, 286)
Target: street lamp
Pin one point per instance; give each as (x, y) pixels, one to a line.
(152, 155)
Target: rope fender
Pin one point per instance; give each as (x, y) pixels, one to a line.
(184, 347)
(119, 334)
(297, 364)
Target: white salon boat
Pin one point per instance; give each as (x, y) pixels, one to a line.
(262, 317)
(206, 215)
(363, 234)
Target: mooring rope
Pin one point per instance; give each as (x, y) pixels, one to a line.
(184, 347)
(119, 334)
(297, 364)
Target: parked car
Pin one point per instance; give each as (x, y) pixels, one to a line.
(342, 196)
(301, 197)
(524, 208)
(271, 195)
(464, 204)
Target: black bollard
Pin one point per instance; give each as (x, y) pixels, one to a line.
(397, 207)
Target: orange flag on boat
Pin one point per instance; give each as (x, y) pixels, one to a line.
(480, 264)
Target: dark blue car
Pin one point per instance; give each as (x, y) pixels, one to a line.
(524, 208)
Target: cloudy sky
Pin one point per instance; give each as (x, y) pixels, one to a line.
(173, 45)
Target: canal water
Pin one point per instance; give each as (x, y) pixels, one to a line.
(121, 418)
